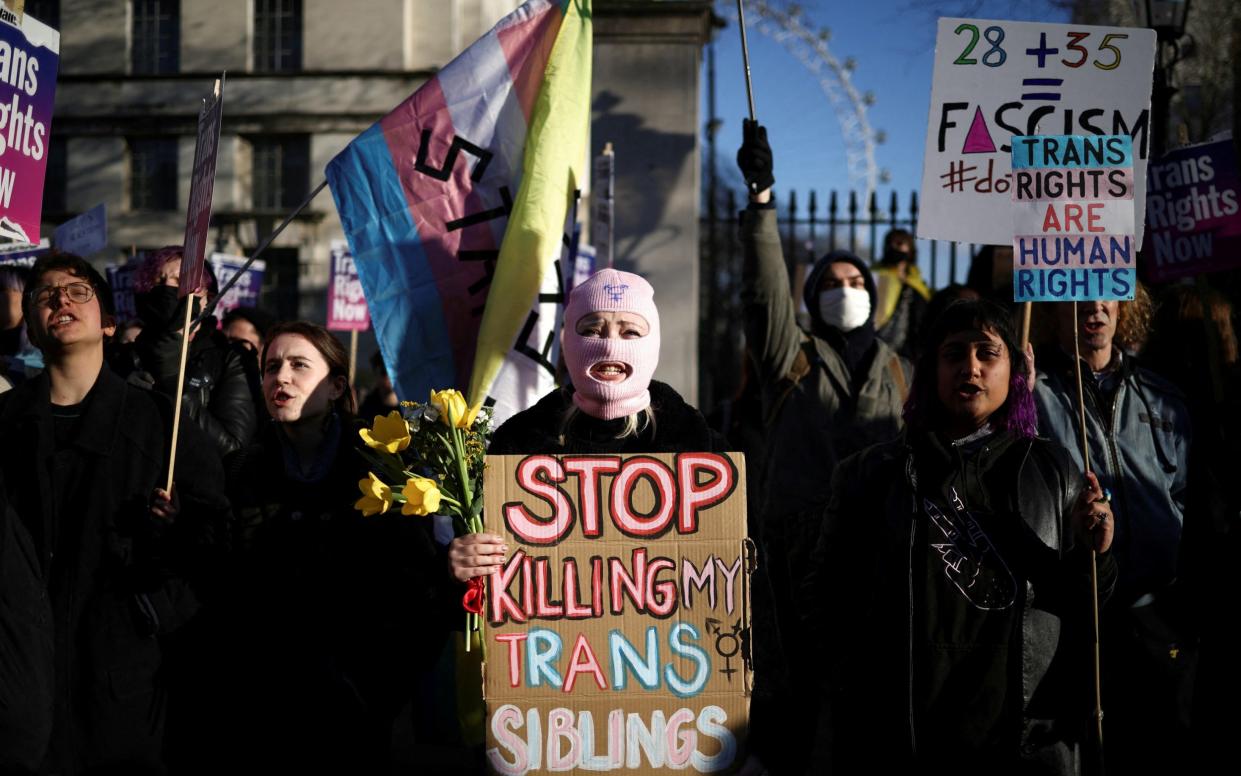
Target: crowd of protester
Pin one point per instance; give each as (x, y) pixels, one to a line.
(929, 531)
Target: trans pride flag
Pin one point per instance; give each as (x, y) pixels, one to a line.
(454, 205)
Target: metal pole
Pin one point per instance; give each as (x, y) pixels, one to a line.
(267, 241)
(745, 57)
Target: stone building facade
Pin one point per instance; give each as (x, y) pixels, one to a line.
(306, 76)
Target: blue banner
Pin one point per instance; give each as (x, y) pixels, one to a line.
(85, 235)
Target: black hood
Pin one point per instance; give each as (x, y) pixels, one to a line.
(810, 294)
(855, 347)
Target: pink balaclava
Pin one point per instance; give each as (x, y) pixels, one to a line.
(611, 290)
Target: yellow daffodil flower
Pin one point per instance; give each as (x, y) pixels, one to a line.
(422, 497)
(453, 409)
(376, 496)
(389, 433)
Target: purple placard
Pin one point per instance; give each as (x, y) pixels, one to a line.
(121, 278)
(346, 306)
(198, 215)
(245, 292)
(26, 97)
(1192, 212)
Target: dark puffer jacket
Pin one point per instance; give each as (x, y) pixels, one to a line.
(864, 596)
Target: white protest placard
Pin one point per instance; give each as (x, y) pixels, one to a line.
(997, 79)
(1073, 219)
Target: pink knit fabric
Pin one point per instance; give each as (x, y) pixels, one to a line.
(611, 290)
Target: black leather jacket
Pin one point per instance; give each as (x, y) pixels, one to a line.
(222, 392)
(862, 592)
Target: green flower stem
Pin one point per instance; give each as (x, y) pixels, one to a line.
(463, 475)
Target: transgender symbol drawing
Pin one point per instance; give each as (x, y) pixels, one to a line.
(727, 644)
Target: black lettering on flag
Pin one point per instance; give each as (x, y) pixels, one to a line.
(459, 144)
(540, 357)
(558, 296)
(488, 258)
(483, 216)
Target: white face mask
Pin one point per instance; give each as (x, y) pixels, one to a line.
(844, 308)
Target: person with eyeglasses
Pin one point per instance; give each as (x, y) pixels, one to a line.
(122, 561)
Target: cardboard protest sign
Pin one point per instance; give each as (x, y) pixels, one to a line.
(29, 58)
(1192, 212)
(202, 185)
(121, 279)
(346, 305)
(245, 292)
(618, 628)
(996, 79)
(1073, 218)
(84, 234)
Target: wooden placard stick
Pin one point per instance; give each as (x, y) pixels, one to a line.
(1094, 556)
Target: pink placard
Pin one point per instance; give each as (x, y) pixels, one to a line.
(202, 185)
(346, 306)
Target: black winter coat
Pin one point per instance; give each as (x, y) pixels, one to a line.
(330, 620)
(118, 581)
(25, 649)
(678, 428)
(863, 597)
(222, 393)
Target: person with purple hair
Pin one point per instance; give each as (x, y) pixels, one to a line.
(950, 588)
(220, 392)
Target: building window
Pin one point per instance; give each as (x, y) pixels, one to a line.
(279, 294)
(55, 183)
(281, 171)
(156, 41)
(153, 173)
(277, 35)
(46, 11)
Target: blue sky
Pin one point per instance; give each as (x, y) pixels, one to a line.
(893, 44)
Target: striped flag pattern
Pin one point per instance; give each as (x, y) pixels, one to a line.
(454, 206)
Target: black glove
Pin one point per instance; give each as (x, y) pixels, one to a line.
(754, 156)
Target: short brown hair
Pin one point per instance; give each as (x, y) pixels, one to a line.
(78, 267)
(329, 347)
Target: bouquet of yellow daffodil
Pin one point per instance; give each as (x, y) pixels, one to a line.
(428, 458)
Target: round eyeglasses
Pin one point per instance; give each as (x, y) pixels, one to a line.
(78, 293)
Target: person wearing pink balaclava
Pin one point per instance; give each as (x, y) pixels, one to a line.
(610, 343)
